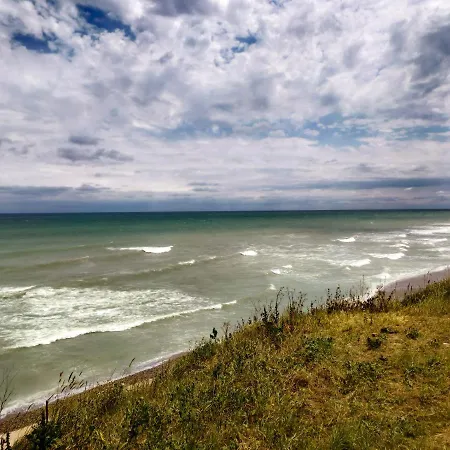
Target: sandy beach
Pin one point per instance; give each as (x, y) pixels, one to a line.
(411, 284)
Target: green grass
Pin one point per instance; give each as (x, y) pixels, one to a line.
(345, 376)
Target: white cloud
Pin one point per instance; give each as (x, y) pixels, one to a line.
(216, 91)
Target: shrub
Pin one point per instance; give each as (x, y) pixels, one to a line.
(412, 333)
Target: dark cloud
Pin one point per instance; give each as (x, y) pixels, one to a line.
(84, 155)
(364, 168)
(420, 169)
(18, 150)
(383, 183)
(351, 54)
(90, 189)
(83, 140)
(166, 58)
(5, 141)
(199, 186)
(434, 59)
(34, 191)
(205, 189)
(398, 38)
(378, 183)
(202, 184)
(180, 7)
(329, 100)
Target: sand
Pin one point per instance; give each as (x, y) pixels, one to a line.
(412, 284)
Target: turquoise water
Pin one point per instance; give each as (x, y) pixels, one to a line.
(93, 291)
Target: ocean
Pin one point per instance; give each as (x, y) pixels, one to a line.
(96, 292)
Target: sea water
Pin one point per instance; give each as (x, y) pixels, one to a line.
(93, 292)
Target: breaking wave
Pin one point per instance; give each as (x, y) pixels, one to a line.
(249, 253)
(144, 249)
(346, 240)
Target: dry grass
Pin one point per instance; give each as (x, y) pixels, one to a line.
(348, 376)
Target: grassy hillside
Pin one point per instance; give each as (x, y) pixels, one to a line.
(346, 376)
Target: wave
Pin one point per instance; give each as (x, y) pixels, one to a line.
(391, 256)
(272, 287)
(383, 276)
(128, 276)
(401, 246)
(276, 271)
(187, 263)
(234, 302)
(249, 253)
(7, 291)
(144, 249)
(359, 263)
(346, 240)
(288, 266)
(432, 241)
(438, 229)
(114, 327)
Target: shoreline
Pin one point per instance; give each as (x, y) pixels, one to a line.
(413, 283)
(22, 418)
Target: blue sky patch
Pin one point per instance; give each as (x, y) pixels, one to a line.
(244, 43)
(33, 43)
(103, 20)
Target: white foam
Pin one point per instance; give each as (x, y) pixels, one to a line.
(287, 267)
(350, 239)
(187, 263)
(432, 241)
(276, 271)
(144, 249)
(249, 253)
(51, 315)
(116, 328)
(272, 287)
(383, 276)
(359, 262)
(230, 303)
(391, 256)
(401, 246)
(14, 290)
(439, 229)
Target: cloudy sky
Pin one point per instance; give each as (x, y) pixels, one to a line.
(224, 104)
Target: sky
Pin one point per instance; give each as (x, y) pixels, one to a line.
(159, 105)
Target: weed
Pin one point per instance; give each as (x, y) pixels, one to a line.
(317, 348)
(136, 417)
(387, 330)
(374, 342)
(359, 374)
(412, 333)
(45, 433)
